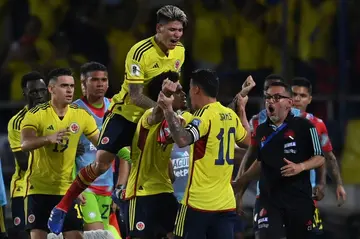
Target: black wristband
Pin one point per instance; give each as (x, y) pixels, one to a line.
(121, 186)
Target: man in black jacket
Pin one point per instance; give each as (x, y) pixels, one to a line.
(287, 147)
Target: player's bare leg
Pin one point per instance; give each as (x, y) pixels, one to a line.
(38, 234)
(73, 235)
(85, 177)
(93, 226)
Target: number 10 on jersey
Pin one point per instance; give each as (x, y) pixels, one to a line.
(222, 145)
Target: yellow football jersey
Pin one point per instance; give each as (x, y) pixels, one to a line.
(17, 181)
(149, 174)
(50, 167)
(144, 61)
(215, 129)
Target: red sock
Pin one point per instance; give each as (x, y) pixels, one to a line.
(85, 177)
(113, 221)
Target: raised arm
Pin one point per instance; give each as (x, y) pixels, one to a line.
(246, 87)
(181, 136)
(157, 115)
(242, 101)
(138, 98)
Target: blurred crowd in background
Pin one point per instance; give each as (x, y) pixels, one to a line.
(316, 39)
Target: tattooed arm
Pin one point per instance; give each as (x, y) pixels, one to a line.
(138, 98)
(233, 104)
(181, 136)
(156, 116)
(331, 159)
(248, 84)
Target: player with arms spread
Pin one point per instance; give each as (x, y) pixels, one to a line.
(96, 208)
(35, 92)
(52, 132)
(302, 96)
(145, 60)
(208, 206)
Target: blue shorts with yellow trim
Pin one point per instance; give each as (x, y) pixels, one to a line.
(195, 224)
(152, 216)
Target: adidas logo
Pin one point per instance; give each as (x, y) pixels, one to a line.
(156, 65)
(50, 127)
(186, 154)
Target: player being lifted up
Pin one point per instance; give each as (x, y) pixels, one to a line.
(145, 60)
(208, 206)
(152, 206)
(97, 205)
(35, 92)
(52, 131)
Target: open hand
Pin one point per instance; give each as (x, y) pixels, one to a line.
(291, 169)
(340, 195)
(59, 137)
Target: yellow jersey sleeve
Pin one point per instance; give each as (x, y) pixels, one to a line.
(30, 121)
(181, 56)
(144, 121)
(240, 132)
(199, 125)
(135, 66)
(14, 135)
(187, 116)
(91, 128)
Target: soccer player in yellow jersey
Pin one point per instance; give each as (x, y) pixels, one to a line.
(208, 205)
(152, 206)
(35, 92)
(51, 131)
(146, 59)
